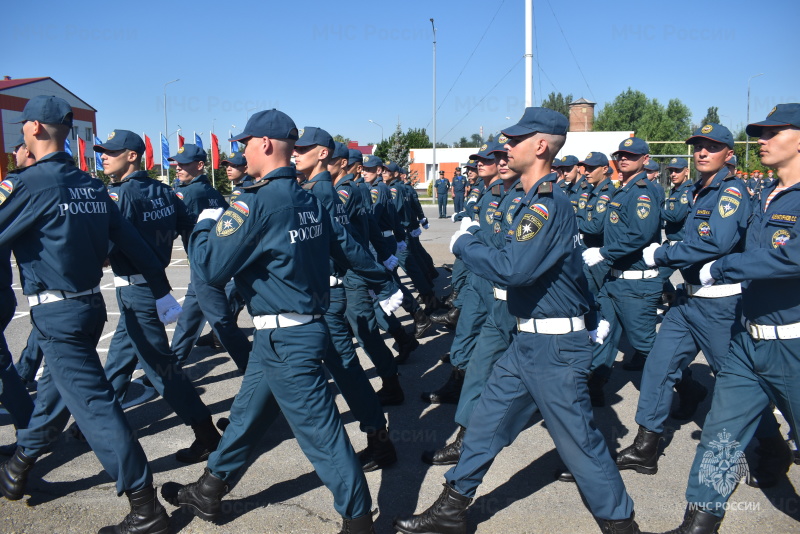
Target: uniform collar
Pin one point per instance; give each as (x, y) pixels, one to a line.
(347, 178)
(552, 178)
(324, 176)
(722, 174)
(137, 175)
(496, 181)
(58, 155)
(641, 176)
(200, 179)
(605, 182)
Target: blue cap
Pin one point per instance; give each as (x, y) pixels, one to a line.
(651, 166)
(567, 161)
(391, 166)
(714, 132)
(542, 120)
(781, 115)
(678, 163)
(340, 150)
(595, 159)
(488, 149)
(121, 140)
(19, 143)
(270, 123)
(354, 156)
(733, 161)
(47, 110)
(189, 153)
(633, 145)
(311, 135)
(471, 164)
(373, 161)
(236, 159)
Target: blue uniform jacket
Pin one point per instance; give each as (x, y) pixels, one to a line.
(504, 214)
(321, 186)
(675, 211)
(485, 208)
(351, 199)
(383, 247)
(413, 201)
(155, 212)
(580, 187)
(592, 217)
(541, 263)
(442, 186)
(198, 195)
(402, 207)
(715, 226)
(633, 223)
(459, 185)
(271, 240)
(771, 261)
(238, 189)
(58, 220)
(6, 276)
(383, 209)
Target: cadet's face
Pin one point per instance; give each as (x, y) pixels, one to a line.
(631, 163)
(235, 172)
(115, 163)
(570, 173)
(521, 152)
(186, 172)
(652, 175)
(778, 145)
(472, 175)
(370, 174)
(503, 169)
(677, 177)
(595, 174)
(306, 157)
(710, 156)
(486, 167)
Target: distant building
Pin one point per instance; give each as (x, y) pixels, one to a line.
(15, 93)
(367, 150)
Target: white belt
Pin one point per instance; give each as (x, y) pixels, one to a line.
(387, 233)
(132, 280)
(713, 292)
(46, 297)
(766, 331)
(560, 325)
(672, 243)
(634, 275)
(500, 294)
(335, 282)
(283, 320)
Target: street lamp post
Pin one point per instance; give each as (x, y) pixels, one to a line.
(434, 98)
(747, 137)
(166, 128)
(379, 126)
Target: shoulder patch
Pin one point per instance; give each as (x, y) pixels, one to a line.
(734, 191)
(541, 210)
(232, 219)
(528, 226)
(6, 188)
(512, 209)
(179, 195)
(728, 204)
(344, 195)
(644, 198)
(780, 238)
(113, 196)
(374, 194)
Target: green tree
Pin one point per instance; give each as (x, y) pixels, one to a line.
(712, 115)
(461, 143)
(418, 138)
(558, 102)
(341, 139)
(740, 150)
(476, 140)
(398, 149)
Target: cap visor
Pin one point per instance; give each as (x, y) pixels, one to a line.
(517, 131)
(689, 141)
(239, 137)
(754, 130)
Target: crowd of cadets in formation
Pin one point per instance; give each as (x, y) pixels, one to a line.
(620, 225)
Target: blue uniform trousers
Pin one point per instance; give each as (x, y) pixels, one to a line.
(474, 309)
(235, 299)
(458, 279)
(755, 373)
(442, 205)
(458, 201)
(74, 382)
(342, 362)
(690, 325)
(630, 305)
(595, 276)
(493, 340)
(140, 337)
(13, 395)
(546, 373)
(31, 359)
(364, 319)
(285, 374)
(413, 268)
(424, 259)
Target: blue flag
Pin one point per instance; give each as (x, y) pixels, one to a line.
(164, 153)
(98, 161)
(198, 141)
(234, 144)
(67, 149)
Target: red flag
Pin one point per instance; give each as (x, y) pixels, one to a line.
(82, 155)
(148, 154)
(214, 151)
(180, 140)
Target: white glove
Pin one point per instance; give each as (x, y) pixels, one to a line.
(649, 254)
(391, 262)
(392, 303)
(401, 246)
(415, 233)
(168, 309)
(467, 223)
(210, 213)
(455, 238)
(592, 256)
(453, 217)
(705, 275)
(603, 328)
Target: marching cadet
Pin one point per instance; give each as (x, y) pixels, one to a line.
(442, 186)
(702, 318)
(653, 171)
(546, 366)
(761, 365)
(459, 184)
(676, 207)
(593, 213)
(140, 337)
(412, 200)
(272, 239)
(633, 290)
(236, 171)
(58, 221)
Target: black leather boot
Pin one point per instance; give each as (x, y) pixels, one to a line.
(208, 340)
(206, 439)
(636, 363)
(14, 475)
(449, 392)
(431, 303)
(359, 525)
(147, 516)
(450, 299)
(379, 453)
(421, 323)
(448, 515)
(202, 498)
(620, 526)
(690, 394)
(447, 318)
(596, 394)
(697, 521)
(447, 455)
(642, 456)
(8, 450)
(774, 459)
(391, 394)
(406, 344)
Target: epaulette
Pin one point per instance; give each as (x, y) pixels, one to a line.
(255, 186)
(545, 188)
(309, 185)
(519, 187)
(642, 183)
(497, 190)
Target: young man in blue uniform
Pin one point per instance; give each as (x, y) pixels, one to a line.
(762, 363)
(442, 186)
(140, 337)
(593, 213)
(547, 364)
(673, 214)
(459, 185)
(272, 239)
(59, 221)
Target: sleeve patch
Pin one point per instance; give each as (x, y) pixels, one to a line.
(6, 188)
(528, 227)
(728, 205)
(230, 221)
(734, 191)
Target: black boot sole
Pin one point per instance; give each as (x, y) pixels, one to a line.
(644, 470)
(169, 492)
(427, 457)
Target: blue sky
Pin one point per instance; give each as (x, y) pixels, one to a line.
(338, 65)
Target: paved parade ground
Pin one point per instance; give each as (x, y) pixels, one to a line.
(280, 493)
